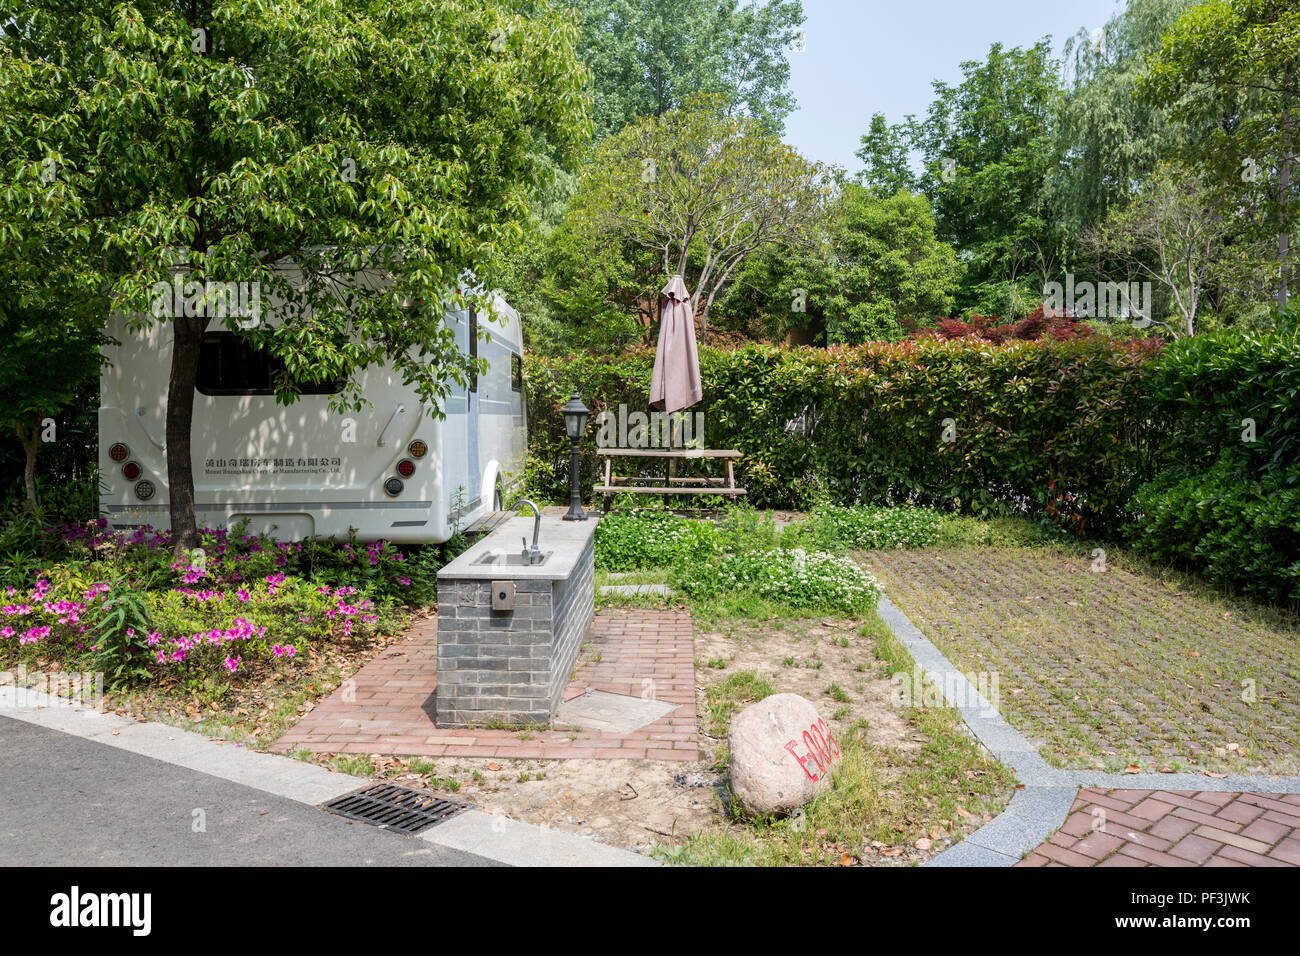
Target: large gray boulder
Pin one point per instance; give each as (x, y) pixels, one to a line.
(781, 754)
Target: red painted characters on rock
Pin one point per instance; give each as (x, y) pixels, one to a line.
(822, 750)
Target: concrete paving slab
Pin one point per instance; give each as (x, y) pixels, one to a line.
(602, 711)
(520, 844)
(634, 589)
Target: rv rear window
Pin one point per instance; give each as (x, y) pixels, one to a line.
(516, 373)
(229, 365)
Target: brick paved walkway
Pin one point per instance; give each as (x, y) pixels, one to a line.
(1175, 828)
(388, 707)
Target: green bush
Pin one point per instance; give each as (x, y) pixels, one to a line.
(834, 528)
(631, 541)
(1211, 391)
(793, 576)
(1226, 526)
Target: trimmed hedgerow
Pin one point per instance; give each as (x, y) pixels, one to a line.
(1063, 427)
(1226, 500)
(1230, 529)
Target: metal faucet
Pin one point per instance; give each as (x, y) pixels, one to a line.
(533, 555)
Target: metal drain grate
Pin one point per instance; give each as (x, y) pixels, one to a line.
(394, 808)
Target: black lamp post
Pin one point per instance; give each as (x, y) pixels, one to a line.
(575, 423)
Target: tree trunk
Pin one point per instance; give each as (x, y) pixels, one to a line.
(28, 435)
(180, 418)
(1284, 210)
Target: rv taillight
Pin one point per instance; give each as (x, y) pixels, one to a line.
(131, 471)
(144, 490)
(393, 487)
(119, 452)
(418, 449)
(406, 468)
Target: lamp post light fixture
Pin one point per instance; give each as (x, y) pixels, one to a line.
(575, 423)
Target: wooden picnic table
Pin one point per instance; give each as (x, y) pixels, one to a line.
(672, 483)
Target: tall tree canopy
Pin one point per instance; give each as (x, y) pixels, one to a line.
(987, 149)
(1109, 139)
(700, 191)
(651, 56)
(885, 168)
(878, 273)
(1245, 56)
(221, 139)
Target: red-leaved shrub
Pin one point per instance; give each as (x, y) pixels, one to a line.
(990, 328)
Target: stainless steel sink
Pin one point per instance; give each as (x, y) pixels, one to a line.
(512, 560)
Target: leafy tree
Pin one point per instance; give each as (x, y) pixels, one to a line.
(651, 56)
(1244, 55)
(50, 308)
(49, 360)
(884, 159)
(588, 285)
(224, 140)
(987, 148)
(879, 271)
(1109, 138)
(702, 191)
(1173, 234)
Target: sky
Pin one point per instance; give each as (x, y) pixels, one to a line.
(868, 56)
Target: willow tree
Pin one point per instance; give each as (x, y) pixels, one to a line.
(1243, 56)
(702, 190)
(221, 140)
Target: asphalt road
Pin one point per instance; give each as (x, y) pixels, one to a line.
(66, 801)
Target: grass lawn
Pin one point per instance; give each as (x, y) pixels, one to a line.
(912, 781)
(1110, 669)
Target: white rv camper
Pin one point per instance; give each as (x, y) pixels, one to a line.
(389, 471)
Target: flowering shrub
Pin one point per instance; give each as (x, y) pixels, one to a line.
(834, 528)
(651, 539)
(804, 579)
(121, 601)
(377, 567)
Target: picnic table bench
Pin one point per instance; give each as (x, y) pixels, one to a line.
(671, 483)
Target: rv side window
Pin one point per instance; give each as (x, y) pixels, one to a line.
(473, 350)
(229, 365)
(516, 373)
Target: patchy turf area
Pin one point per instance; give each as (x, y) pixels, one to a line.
(1110, 669)
(912, 782)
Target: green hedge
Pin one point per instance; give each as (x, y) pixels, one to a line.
(1230, 529)
(1053, 425)
(1206, 387)
(1189, 450)
(1222, 504)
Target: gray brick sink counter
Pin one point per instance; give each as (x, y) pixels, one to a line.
(511, 666)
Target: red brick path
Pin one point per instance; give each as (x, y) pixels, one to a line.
(389, 704)
(1175, 828)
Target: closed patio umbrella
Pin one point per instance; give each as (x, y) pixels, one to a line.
(675, 381)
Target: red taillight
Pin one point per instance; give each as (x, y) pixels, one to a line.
(406, 468)
(131, 471)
